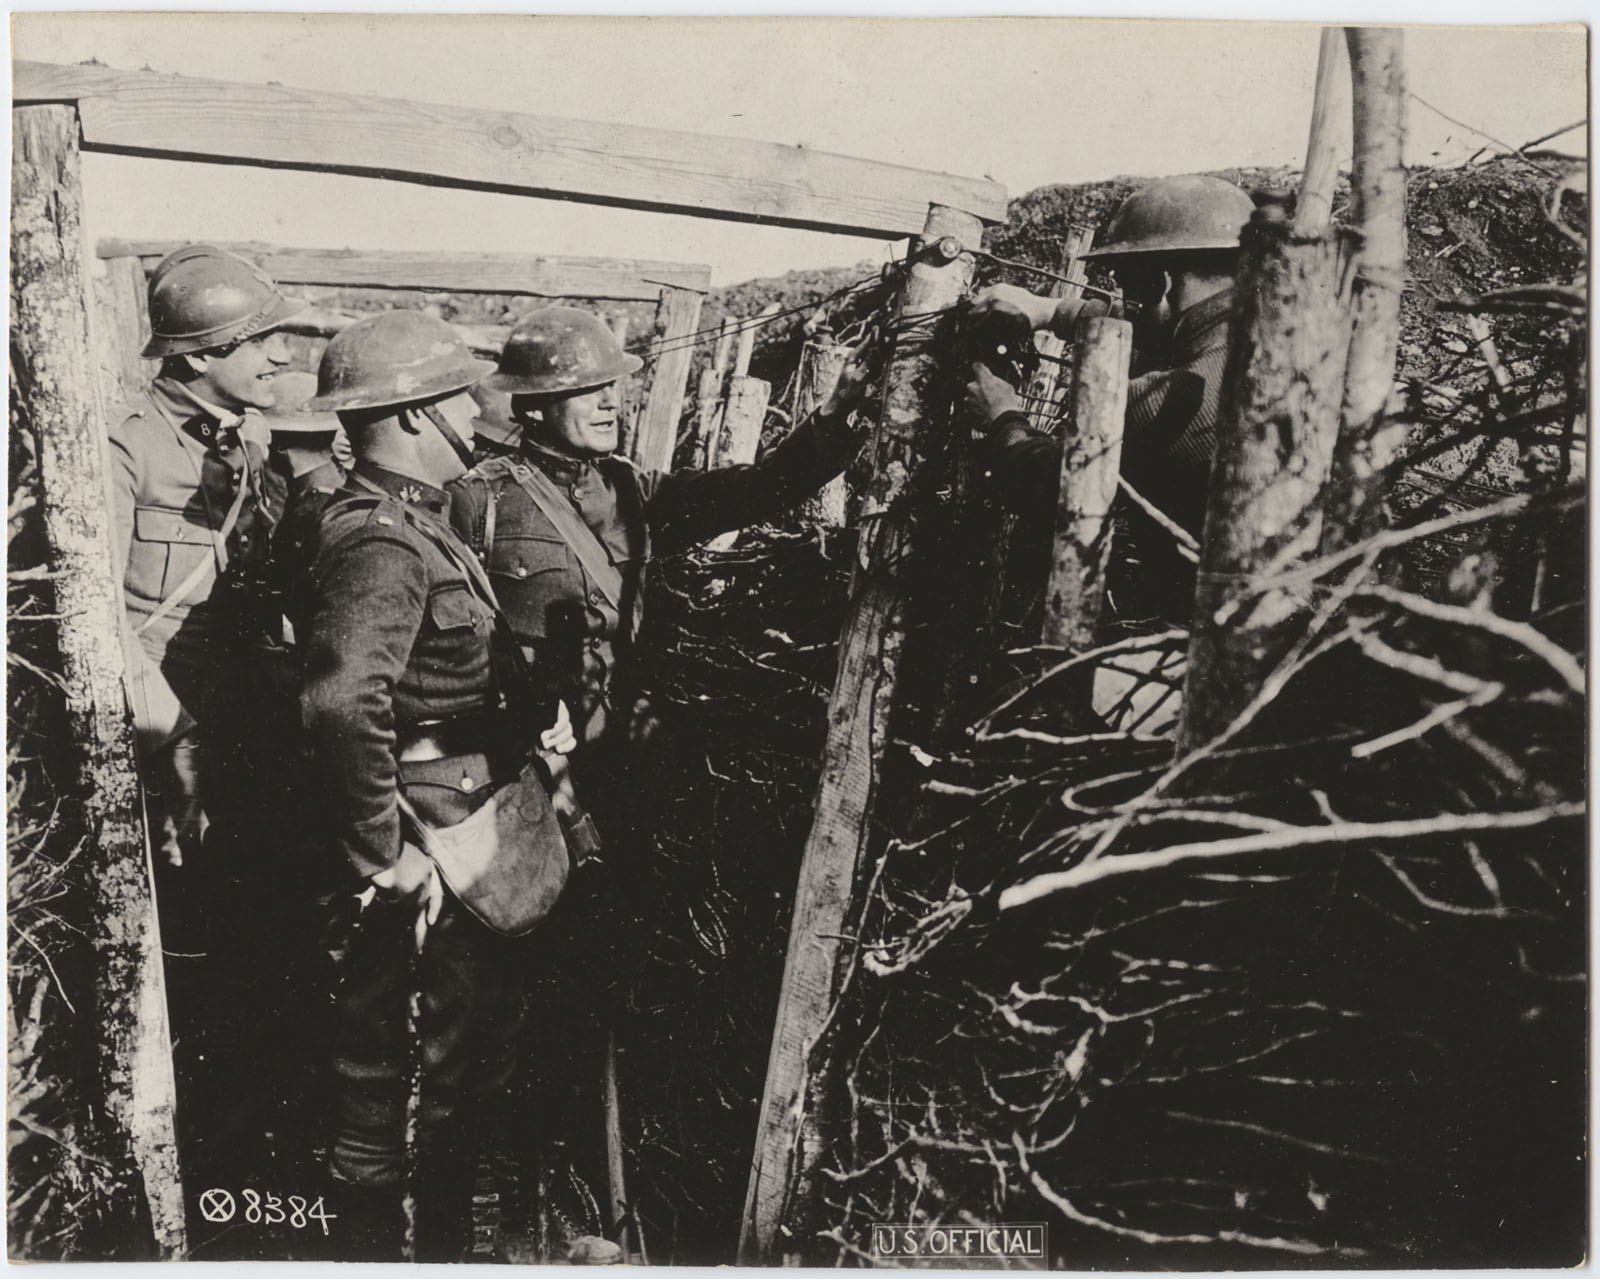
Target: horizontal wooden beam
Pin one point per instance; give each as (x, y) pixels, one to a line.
(179, 117)
(610, 279)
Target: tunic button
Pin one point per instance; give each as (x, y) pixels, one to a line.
(595, 597)
(467, 783)
(522, 570)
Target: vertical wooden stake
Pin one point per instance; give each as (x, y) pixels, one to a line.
(122, 331)
(747, 338)
(1091, 458)
(912, 429)
(1314, 210)
(1275, 437)
(658, 427)
(1042, 389)
(55, 370)
(739, 438)
(1369, 439)
(618, 324)
(821, 361)
(708, 401)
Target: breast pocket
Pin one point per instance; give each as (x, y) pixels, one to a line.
(538, 584)
(166, 549)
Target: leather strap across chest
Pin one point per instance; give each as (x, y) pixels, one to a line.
(579, 537)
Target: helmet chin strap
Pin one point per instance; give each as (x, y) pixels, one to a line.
(452, 437)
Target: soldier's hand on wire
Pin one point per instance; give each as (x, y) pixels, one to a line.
(412, 877)
(559, 739)
(988, 396)
(860, 369)
(1003, 297)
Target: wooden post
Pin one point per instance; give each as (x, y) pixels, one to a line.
(1275, 437)
(122, 329)
(54, 368)
(747, 338)
(912, 430)
(821, 361)
(1314, 210)
(617, 322)
(739, 438)
(708, 402)
(658, 427)
(1091, 458)
(1369, 439)
(1041, 393)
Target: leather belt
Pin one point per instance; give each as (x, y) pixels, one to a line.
(477, 734)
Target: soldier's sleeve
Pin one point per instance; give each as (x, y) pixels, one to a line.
(685, 507)
(1022, 463)
(368, 596)
(124, 488)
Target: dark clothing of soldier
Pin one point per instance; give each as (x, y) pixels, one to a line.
(1169, 433)
(556, 608)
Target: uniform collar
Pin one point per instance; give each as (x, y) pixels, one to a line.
(199, 419)
(564, 468)
(1203, 326)
(413, 492)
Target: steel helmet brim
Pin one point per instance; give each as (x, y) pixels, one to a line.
(272, 318)
(466, 375)
(522, 384)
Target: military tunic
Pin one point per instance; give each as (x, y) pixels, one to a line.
(557, 610)
(395, 641)
(1169, 436)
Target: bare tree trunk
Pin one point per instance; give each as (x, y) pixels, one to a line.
(1314, 211)
(911, 433)
(708, 401)
(1369, 438)
(58, 386)
(1091, 457)
(1275, 439)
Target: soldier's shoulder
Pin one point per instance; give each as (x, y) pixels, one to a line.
(351, 519)
(492, 472)
(131, 416)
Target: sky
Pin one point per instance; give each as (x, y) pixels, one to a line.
(1025, 101)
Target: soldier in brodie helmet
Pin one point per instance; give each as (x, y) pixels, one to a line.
(420, 740)
(566, 529)
(1172, 247)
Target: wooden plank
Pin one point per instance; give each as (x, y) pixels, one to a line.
(871, 649)
(747, 338)
(708, 401)
(182, 117)
(608, 279)
(658, 427)
(54, 368)
(1091, 457)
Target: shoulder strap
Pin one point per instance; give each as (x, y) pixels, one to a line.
(219, 551)
(578, 536)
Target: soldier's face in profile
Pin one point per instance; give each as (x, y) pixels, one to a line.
(584, 422)
(242, 379)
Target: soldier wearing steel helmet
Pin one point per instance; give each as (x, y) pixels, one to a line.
(415, 731)
(1172, 247)
(566, 527)
(188, 510)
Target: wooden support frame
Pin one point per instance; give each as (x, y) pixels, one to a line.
(871, 651)
(278, 126)
(596, 279)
